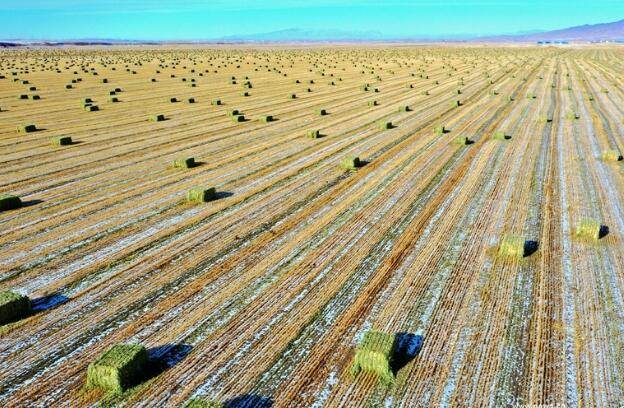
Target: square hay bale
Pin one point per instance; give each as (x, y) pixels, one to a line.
(68, 86)
(190, 100)
(611, 155)
(588, 228)
(244, 94)
(104, 80)
(313, 134)
(500, 135)
(384, 125)
(157, 118)
(545, 119)
(22, 96)
(13, 306)
(201, 194)
(321, 112)
(512, 246)
(572, 115)
(198, 403)
(350, 163)
(113, 99)
(35, 97)
(87, 100)
(26, 128)
(374, 355)
(61, 140)
(233, 112)
(292, 96)
(118, 368)
(215, 102)
(173, 100)
(184, 162)
(91, 108)
(238, 118)
(462, 140)
(373, 103)
(404, 108)
(439, 130)
(266, 118)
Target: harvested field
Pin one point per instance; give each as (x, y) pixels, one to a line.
(479, 238)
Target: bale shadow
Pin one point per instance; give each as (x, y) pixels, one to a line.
(469, 142)
(603, 232)
(249, 401)
(223, 194)
(363, 163)
(406, 348)
(160, 359)
(30, 203)
(530, 247)
(47, 302)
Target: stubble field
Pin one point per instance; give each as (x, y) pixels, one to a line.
(260, 297)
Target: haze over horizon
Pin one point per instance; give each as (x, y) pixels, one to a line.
(199, 20)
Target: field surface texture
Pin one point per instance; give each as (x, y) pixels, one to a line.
(446, 233)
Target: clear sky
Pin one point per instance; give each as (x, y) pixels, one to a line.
(199, 20)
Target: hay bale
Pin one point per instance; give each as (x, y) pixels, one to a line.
(9, 202)
(320, 112)
(157, 118)
(26, 128)
(13, 306)
(201, 194)
(512, 246)
(404, 108)
(384, 124)
(113, 99)
(190, 100)
(173, 100)
(572, 115)
(244, 94)
(35, 97)
(233, 112)
(266, 118)
(184, 162)
(350, 163)
(61, 140)
(197, 403)
(373, 103)
(313, 134)
(374, 355)
(611, 155)
(118, 368)
(462, 140)
(588, 228)
(215, 102)
(238, 118)
(292, 96)
(439, 130)
(500, 135)
(91, 108)
(68, 86)
(22, 96)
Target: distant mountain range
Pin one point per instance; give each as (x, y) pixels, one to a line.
(585, 33)
(588, 32)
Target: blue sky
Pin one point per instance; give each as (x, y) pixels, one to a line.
(194, 19)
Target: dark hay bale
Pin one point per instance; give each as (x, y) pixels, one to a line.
(9, 202)
(157, 118)
(13, 306)
(61, 140)
(26, 128)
